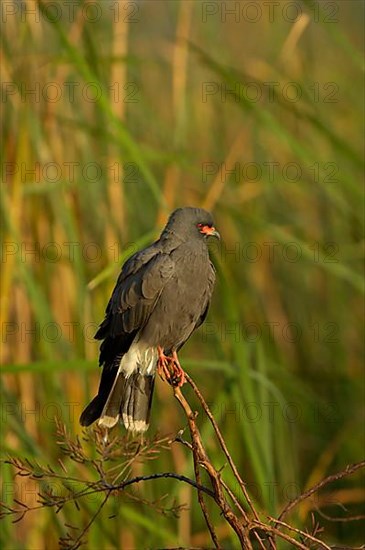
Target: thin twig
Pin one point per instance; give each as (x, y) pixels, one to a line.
(233, 498)
(272, 530)
(350, 469)
(238, 504)
(78, 541)
(179, 477)
(300, 532)
(109, 488)
(336, 519)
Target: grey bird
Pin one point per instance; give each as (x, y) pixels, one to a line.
(161, 296)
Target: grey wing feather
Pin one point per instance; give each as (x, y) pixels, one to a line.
(136, 292)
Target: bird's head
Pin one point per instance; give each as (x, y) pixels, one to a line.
(189, 222)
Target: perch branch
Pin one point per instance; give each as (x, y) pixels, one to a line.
(223, 445)
(201, 459)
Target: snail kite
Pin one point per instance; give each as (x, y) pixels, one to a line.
(162, 295)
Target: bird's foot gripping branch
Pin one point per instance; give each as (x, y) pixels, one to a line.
(169, 368)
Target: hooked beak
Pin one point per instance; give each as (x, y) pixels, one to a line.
(210, 231)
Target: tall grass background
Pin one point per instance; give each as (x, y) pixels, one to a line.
(155, 105)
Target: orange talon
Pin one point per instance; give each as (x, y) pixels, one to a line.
(163, 364)
(169, 368)
(179, 371)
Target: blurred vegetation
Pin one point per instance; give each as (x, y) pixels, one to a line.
(113, 114)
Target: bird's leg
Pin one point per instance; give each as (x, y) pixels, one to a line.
(163, 363)
(169, 368)
(179, 374)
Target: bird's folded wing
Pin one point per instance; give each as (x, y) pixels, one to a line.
(135, 294)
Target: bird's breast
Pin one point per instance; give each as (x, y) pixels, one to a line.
(182, 300)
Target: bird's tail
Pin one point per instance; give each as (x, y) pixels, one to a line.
(130, 399)
(94, 409)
